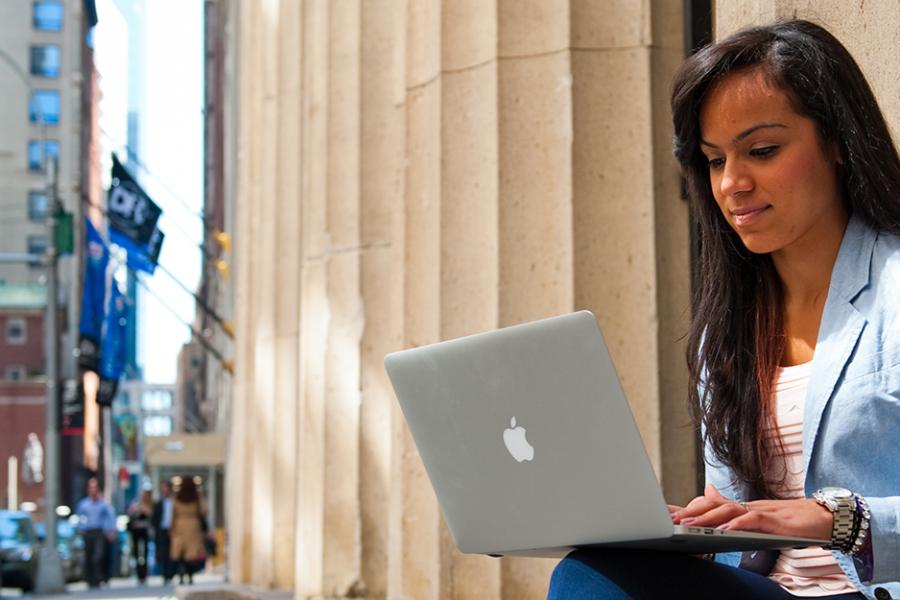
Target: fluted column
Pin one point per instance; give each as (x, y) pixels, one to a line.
(237, 502)
(414, 562)
(314, 309)
(383, 123)
(342, 400)
(535, 193)
(286, 267)
(468, 221)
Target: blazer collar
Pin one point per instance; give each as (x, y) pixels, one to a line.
(840, 328)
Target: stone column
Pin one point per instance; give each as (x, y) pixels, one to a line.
(468, 221)
(535, 130)
(286, 267)
(238, 508)
(631, 232)
(314, 309)
(414, 564)
(671, 235)
(382, 173)
(342, 399)
(263, 390)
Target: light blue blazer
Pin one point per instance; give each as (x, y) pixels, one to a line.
(851, 423)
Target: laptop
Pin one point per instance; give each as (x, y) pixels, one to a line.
(532, 450)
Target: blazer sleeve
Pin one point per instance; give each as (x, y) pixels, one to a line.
(885, 532)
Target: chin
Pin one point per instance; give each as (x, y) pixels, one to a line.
(758, 244)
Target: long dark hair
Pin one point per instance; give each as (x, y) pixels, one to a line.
(736, 339)
(188, 490)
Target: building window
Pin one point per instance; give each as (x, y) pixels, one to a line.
(35, 160)
(45, 60)
(15, 372)
(44, 107)
(37, 206)
(156, 400)
(16, 332)
(157, 425)
(37, 244)
(48, 16)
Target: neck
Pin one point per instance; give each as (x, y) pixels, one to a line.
(805, 267)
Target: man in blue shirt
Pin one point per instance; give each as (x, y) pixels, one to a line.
(162, 521)
(97, 524)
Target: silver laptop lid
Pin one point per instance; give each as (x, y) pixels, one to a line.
(527, 438)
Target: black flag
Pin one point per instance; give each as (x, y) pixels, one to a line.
(131, 211)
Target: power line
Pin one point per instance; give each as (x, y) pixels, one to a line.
(226, 364)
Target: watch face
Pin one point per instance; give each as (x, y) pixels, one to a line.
(836, 492)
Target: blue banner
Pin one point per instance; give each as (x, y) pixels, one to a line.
(93, 296)
(140, 258)
(113, 351)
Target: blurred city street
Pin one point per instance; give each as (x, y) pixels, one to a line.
(121, 588)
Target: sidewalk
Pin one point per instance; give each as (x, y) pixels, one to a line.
(128, 589)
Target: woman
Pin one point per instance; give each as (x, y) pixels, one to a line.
(139, 515)
(186, 534)
(794, 348)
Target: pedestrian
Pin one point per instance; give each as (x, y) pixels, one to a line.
(140, 514)
(794, 347)
(97, 525)
(162, 523)
(188, 515)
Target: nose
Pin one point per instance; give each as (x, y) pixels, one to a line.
(735, 179)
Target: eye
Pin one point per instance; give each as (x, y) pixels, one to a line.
(715, 163)
(764, 151)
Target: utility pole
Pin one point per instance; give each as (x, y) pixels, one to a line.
(49, 574)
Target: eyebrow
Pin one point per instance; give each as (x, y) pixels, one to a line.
(746, 132)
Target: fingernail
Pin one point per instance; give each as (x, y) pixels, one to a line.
(723, 526)
(688, 521)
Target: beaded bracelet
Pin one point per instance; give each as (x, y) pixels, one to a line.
(860, 526)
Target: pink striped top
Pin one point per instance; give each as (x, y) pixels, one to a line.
(808, 571)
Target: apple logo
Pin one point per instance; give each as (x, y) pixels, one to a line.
(515, 441)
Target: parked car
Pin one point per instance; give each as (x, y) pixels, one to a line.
(69, 545)
(19, 548)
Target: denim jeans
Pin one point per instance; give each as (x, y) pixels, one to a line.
(648, 575)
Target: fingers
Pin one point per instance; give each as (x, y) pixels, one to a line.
(712, 493)
(714, 517)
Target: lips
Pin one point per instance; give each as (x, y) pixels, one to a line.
(747, 215)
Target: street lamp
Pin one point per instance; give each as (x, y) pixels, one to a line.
(49, 575)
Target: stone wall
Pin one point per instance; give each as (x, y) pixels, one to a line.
(414, 171)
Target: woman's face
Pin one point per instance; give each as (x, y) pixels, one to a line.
(773, 181)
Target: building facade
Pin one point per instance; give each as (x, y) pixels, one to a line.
(407, 172)
(42, 45)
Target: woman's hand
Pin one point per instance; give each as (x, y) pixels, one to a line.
(801, 517)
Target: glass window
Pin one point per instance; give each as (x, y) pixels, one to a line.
(44, 106)
(37, 206)
(45, 60)
(15, 372)
(37, 244)
(157, 425)
(35, 162)
(156, 400)
(16, 332)
(48, 16)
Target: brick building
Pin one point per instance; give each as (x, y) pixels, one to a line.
(22, 389)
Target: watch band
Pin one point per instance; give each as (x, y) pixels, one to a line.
(843, 507)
